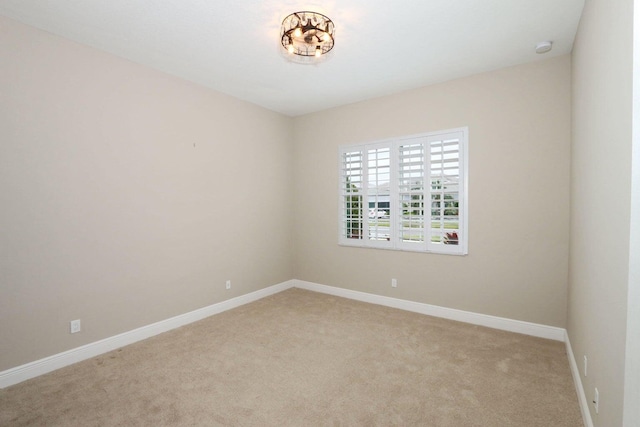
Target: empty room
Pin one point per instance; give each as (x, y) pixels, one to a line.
(355, 213)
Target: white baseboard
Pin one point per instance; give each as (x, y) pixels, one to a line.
(534, 329)
(575, 373)
(39, 367)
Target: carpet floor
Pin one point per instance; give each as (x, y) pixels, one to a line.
(301, 358)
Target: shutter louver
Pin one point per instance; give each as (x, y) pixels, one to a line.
(351, 184)
(445, 186)
(411, 173)
(378, 196)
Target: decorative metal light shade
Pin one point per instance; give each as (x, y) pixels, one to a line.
(307, 34)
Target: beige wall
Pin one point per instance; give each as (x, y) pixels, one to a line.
(632, 362)
(601, 189)
(519, 140)
(127, 196)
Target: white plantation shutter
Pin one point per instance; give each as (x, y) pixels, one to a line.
(445, 175)
(406, 194)
(351, 195)
(411, 194)
(378, 195)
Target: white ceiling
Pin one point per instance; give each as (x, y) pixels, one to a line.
(381, 47)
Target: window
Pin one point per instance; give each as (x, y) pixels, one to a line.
(407, 194)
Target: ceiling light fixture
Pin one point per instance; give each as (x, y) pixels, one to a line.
(307, 34)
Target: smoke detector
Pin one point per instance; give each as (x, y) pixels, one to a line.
(544, 47)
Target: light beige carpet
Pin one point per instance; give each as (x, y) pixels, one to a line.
(301, 358)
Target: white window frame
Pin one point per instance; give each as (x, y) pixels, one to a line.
(397, 212)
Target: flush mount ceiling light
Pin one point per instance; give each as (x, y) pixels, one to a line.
(307, 34)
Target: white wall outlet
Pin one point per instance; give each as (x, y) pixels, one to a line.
(74, 326)
(585, 366)
(228, 284)
(394, 283)
(596, 399)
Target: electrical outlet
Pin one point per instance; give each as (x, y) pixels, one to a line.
(585, 366)
(596, 400)
(394, 283)
(228, 284)
(74, 326)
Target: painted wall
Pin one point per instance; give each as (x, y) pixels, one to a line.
(601, 197)
(632, 362)
(519, 144)
(127, 196)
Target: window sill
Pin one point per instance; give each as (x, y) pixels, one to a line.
(389, 248)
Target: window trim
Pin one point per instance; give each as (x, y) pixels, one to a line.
(426, 246)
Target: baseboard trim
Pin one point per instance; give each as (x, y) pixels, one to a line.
(527, 328)
(577, 381)
(39, 367)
